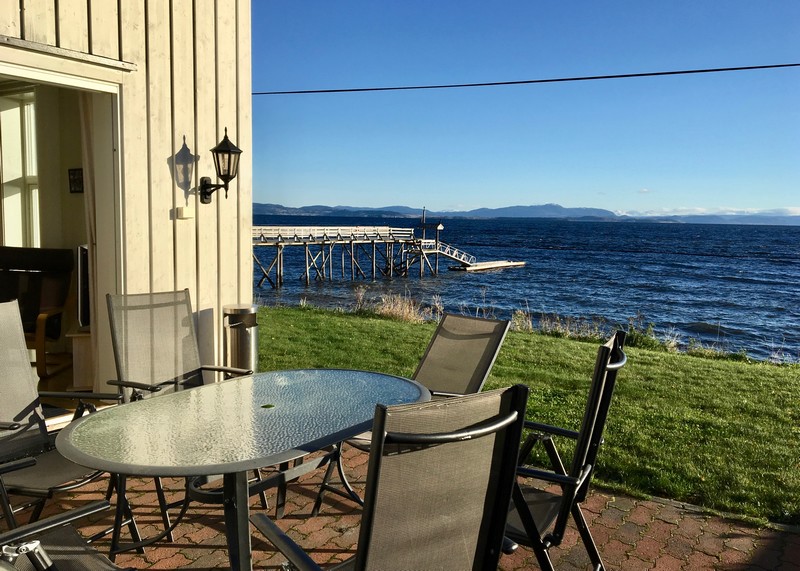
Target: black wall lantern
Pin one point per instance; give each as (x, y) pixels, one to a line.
(226, 163)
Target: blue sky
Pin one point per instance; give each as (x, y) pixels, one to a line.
(723, 142)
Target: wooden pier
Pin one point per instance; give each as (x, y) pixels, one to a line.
(363, 252)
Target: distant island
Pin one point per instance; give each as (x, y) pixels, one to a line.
(533, 211)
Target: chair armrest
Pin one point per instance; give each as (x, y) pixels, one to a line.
(293, 552)
(43, 525)
(132, 385)
(6, 467)
(80, 395)
(539, 427)
(45, 312)
(230, 370)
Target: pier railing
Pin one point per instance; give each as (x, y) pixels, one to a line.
(447, 250)
(306, 234)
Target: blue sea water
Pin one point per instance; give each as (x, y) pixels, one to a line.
(733, 287)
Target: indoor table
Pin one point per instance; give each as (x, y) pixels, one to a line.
(232, 427)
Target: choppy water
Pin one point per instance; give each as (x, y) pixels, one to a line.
(731, 286)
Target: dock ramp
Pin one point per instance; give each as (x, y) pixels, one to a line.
(467, 262)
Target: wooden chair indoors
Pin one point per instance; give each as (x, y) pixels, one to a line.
(39, 278)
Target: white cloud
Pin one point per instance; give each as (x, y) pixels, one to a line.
(689, 211)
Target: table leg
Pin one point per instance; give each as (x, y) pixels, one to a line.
(237, 522)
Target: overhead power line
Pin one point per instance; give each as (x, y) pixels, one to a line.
(528, 81)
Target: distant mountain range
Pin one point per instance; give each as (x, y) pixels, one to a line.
(533, 211)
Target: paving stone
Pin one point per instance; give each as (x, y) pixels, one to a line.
(668, 563)
(680, 546)
(669, 513)
(660, 530)
(630, 534)
(641, 514)
(648, 549)
(710, 544)
(699, 561)
(741, 540)
(691, 526)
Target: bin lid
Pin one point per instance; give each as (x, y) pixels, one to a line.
(239, 309)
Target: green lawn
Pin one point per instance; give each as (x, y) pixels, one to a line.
(718, 433)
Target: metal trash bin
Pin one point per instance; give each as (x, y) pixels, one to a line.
(241, 336)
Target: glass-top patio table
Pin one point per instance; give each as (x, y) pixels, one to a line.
(234, 426)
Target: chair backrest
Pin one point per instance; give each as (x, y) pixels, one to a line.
(19, 404)
(439, 482)
(610, 359)
(154, 338)
(39, 278)
(461, 354)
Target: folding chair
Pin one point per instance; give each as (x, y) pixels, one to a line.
(155, 344)
(535, 511)
(54, 544)
(23, 432)
(156, 352)
(439, 479)
(457, 361)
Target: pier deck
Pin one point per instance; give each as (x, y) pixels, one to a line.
(388, 251)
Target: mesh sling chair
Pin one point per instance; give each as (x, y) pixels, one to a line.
(457, 361)
(535, 511)
(156, 352)
(53, 544)
(23, 432)
(439, 479)
(155, 344)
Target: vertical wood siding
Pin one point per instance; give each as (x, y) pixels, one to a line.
(227, 221)
(205, 77)
(135, 214)
(244, 108)
(88, 26)
(159, 115)
(10, 19)
(192, 80)
(39, 21)
(183, 129)
(73, 36)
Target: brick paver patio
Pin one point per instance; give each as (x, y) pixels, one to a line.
(631, 534)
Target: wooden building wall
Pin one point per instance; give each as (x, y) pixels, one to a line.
(183, 73)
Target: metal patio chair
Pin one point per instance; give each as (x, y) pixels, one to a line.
(417, 513)
(539, 518)
(23, 432)
(457, 361)
(156, 352)
(53, 543)
(155, 344)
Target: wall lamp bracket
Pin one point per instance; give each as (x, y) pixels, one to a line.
(207, 189)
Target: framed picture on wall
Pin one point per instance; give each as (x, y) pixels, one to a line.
(75, 181)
